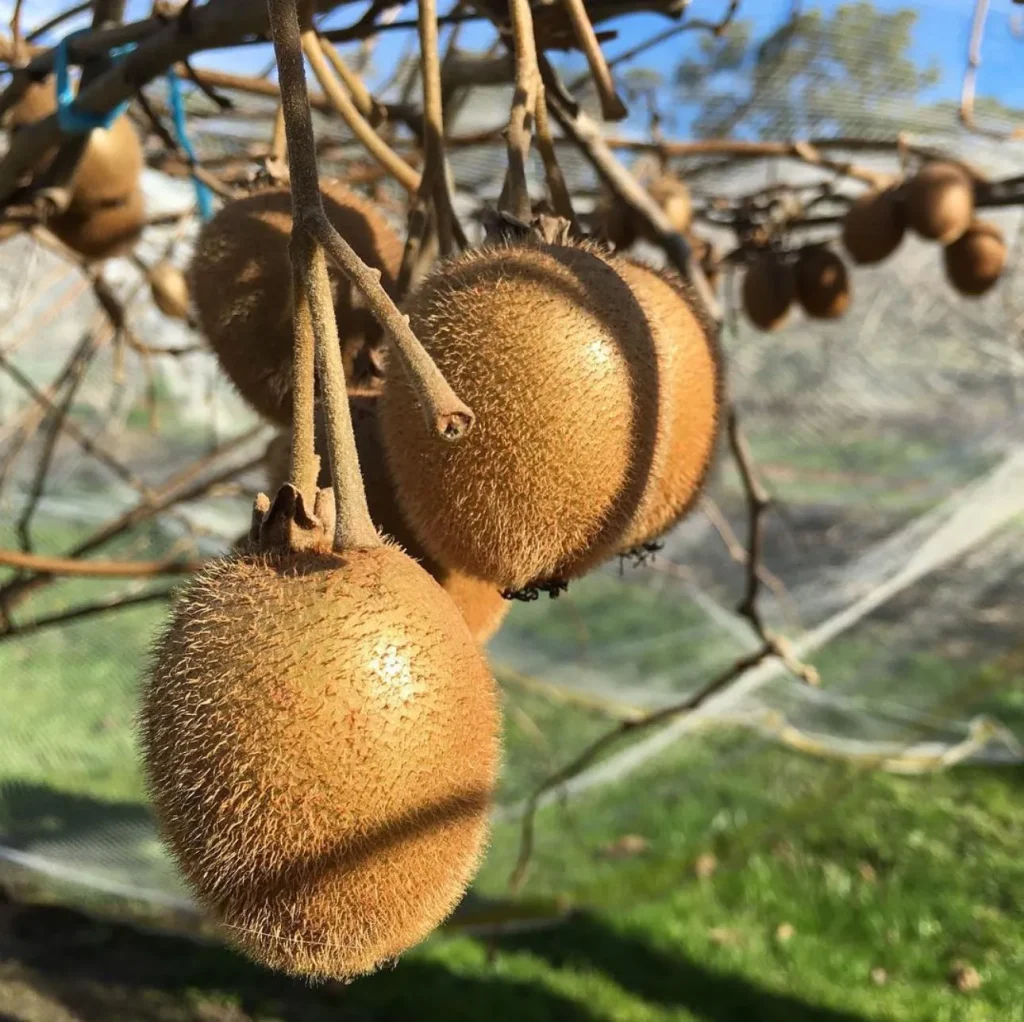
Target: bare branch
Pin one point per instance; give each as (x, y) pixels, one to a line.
(515, 196)
(42, 564)
(612, 107)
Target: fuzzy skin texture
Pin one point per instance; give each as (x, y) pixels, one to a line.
(822, 283)
(940, 202)
(321, 742)
(550, 349)
(874, 226)
(479, 602)
(689, 395)
(976, 259)
(769, 287)
(105, 215)
(240, 279)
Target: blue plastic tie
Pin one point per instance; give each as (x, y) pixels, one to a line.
(204, 198)
(73, 121)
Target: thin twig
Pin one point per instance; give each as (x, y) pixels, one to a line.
(65, 617)
(374, 112)
(58, 19)
(561, 200)
(42, 564)
(515, 196)
(612, 107)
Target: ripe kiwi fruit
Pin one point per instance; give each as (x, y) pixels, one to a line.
(616, 222)
(940, 201)
(689, 399)
(105, 215)
(480, 603)
(874, 226)
(320, 737)
(549, 347)
(822, 283)
(170, 290)
(241, 287)
(769, 287)
(976, 259)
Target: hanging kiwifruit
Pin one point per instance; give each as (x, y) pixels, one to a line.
(479, 602)
(688, 396)
(105, 215)
(822, 283)
(548, 346)
(769, 287)
(241, 287)
(616, 222)
(874, 226)
(939, 201)
(976, 259)
(170, 289)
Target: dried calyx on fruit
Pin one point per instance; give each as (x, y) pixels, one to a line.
(975, 261)
(548, 345)
(769, 288)
(241, 289)
(479, 602)
(874, 226)
(105, 213)
(939, 201)
(822, 283)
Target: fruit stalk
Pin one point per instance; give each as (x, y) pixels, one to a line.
(515, 197)
(612, 107)
(560, 198)
(315, 324)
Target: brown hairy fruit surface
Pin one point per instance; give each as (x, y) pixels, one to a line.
(320, 736)
(822, 283)
(976, 259)
(550, 349)
(769, 287)
(111, 165)
(170, 290)
(939, 202)
(104, 231)
(240, 279)
(874, 226)
(689, 399)
(479, 602)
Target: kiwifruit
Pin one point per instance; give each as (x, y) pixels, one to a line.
(616, 222)
(548, 346)
(822, 283)
(320, 738)
(101, 232)
(769, 287)
(241, 287)
(939, 201)
(111, 165)
(688, 396)
(479, 602)
(976, 259)
(874, 226)
(170, 290)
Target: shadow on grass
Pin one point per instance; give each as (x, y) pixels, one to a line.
(662, 978)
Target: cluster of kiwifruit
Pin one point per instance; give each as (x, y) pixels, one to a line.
(938, 205)
(815, 278)
(320, 727)
(105, 215)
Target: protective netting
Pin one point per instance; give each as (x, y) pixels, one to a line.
(892, 441)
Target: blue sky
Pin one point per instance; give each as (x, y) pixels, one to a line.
(941, 35)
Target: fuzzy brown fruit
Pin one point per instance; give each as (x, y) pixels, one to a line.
(618, 223)
(976, 259)
(105, 215)
(874, 226)
(479, 602)
(170, 290)
(550, 349)
(769, 287)
(689, 400)
(822, 283)
(939, 202)
(320, 738)
(241, 287)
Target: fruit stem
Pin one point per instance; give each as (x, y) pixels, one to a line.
(515, 197)
(353, 527)
(612, 107)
